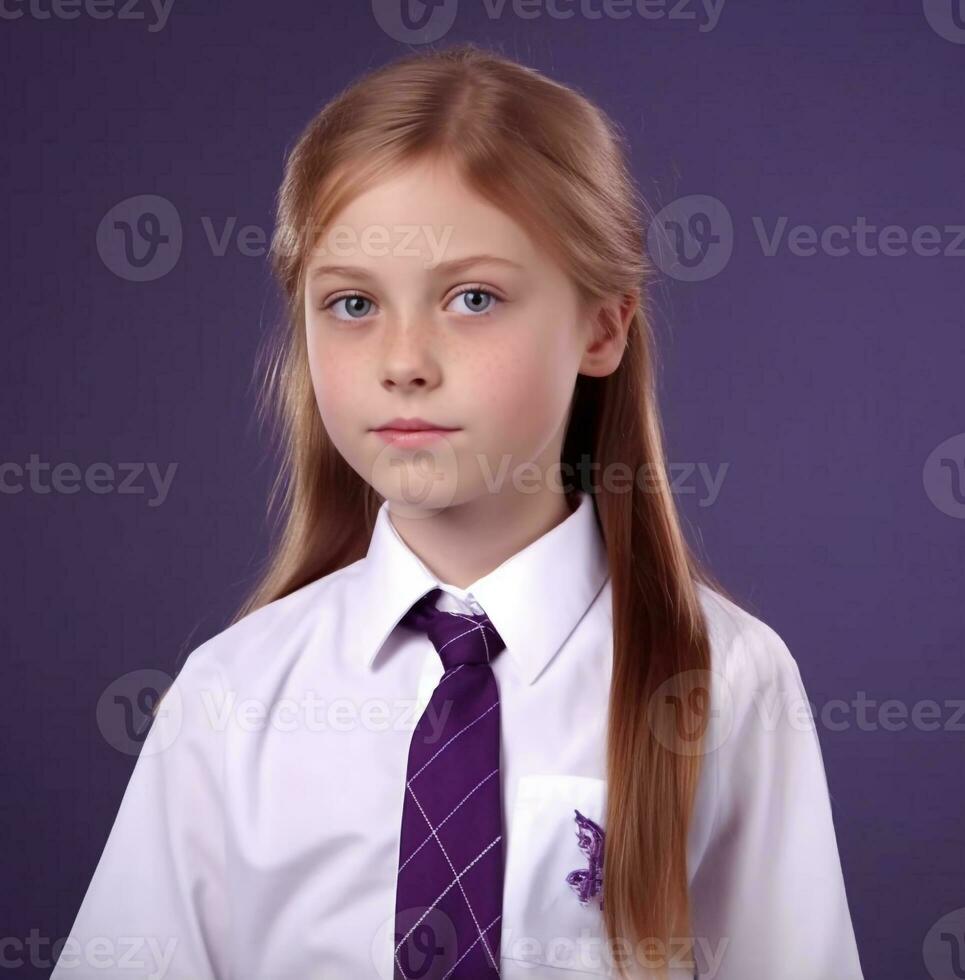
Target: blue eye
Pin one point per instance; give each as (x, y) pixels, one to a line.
(478, 302)
(353, 300)
(474, 298)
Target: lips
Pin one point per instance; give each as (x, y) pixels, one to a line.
(412, 433)
(413, 425)
(412, 438)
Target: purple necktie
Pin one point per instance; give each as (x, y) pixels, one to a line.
(449, 894)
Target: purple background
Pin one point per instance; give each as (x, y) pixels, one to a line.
(824, 383)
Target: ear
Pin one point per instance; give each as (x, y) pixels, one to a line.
(608, 323)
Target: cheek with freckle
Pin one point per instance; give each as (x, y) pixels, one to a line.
(332, 380)
(524, 399)
(337, 397)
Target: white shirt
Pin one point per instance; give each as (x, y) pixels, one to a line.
(258, 837)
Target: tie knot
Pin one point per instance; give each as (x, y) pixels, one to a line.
(459, 638)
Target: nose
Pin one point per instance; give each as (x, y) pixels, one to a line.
(409, 357)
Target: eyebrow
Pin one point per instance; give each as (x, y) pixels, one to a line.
(453, 265)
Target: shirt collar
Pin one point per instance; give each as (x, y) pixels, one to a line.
(534, 599)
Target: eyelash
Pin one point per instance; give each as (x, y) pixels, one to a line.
(473, 288)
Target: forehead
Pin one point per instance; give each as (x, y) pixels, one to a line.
(426, 211)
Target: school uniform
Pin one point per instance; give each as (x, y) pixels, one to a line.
(259, 835)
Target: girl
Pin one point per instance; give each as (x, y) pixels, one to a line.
(485, 715)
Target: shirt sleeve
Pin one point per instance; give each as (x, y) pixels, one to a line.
(768, 897)
(155, 905)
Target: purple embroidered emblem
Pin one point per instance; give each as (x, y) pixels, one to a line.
(588, 882)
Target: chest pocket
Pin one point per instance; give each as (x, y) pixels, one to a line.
(553, 860)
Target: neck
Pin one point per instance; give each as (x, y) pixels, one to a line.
(462, 543)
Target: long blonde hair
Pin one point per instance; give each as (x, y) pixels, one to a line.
(546, 155)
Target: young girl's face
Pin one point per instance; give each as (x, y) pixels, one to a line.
(425, 301)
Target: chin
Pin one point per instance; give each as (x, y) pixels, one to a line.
(425, 493)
